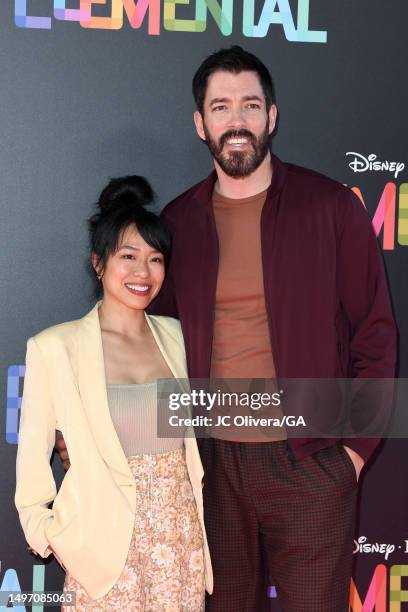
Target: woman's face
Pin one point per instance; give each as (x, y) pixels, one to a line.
(134, 274)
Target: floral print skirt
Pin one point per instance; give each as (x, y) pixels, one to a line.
(164, 571)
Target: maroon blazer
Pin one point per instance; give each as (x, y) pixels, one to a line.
(326, 293)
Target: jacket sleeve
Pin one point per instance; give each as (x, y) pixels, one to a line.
(35, 485)
(165, 303)
(365, 301)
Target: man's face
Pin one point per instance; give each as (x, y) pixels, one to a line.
(236, 125)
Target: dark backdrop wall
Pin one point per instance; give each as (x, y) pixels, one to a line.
(110, 95)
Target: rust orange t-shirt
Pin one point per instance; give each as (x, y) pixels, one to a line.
(241, 341)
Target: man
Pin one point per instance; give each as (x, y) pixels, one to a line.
(275, 272)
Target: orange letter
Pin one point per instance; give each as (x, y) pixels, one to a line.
(114, 22)
(376, 594)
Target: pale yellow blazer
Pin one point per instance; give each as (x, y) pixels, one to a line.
(89, 527)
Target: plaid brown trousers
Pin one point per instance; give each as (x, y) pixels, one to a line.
(270, 518)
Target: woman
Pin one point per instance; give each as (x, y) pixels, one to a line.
(127, 521)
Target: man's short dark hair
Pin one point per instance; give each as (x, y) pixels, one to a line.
(235, 60)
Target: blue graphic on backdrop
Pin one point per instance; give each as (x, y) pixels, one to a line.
(14, 375)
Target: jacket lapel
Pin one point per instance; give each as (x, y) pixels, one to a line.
(92, 388)
(173, 353)
(169, 345)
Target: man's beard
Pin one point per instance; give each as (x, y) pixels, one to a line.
(239, 164)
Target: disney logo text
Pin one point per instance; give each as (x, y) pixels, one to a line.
(362, 546)
(362, 164)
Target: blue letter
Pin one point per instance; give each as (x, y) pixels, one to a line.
(22, 20)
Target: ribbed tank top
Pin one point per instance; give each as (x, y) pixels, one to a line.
(133, 410)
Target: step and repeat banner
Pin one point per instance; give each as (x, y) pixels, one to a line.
(93, 89)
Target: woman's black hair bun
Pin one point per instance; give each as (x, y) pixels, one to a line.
(132, 191)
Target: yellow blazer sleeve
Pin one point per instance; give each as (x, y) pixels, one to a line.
(35, 485)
